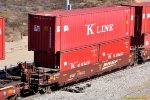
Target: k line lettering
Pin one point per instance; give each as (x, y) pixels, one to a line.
(79, 64)
(99, 29)
(111, 55)
(76, 64)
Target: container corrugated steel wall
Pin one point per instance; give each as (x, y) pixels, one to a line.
(79, 58)
(67, 60)
(132, 23)
(58, 31)
(145, 13)
(143, 21)
(114, 49)
(93, 28)
(44, 59)
(2, 38)
(147, 16)
(147, 41)
(41, 33)
(84, 56)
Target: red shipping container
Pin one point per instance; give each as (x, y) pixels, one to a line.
(114, 49)
(143, 16)
(147, 17)
(67, 60)
(64, 30)
(132, 23)
(79, 58)
(2, 38)
(147, 41)
(44, 59)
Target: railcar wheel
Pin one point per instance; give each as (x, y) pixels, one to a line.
(14, 97)
(48, 89)
(44, 90)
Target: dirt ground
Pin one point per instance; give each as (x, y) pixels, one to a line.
(16, 52)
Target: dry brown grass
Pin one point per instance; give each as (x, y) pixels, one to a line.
(16, 11)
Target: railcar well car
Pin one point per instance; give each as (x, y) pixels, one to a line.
(72, 45)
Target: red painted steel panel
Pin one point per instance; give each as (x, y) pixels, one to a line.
(44, 59)
(2, 38)
(147, 41)
(90, 30)
(145, 15)
(67, 60)
(144, 19)
(114, 49)
(78, 28)
(41, 33)
(132, 20)
(79, 58)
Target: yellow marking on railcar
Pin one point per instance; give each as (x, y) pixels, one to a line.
(100, 65)
(119, 59)
(127, 22)
(78, 71)
(64, 74)
(130, 56)
(10, 91)
(51, 78)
